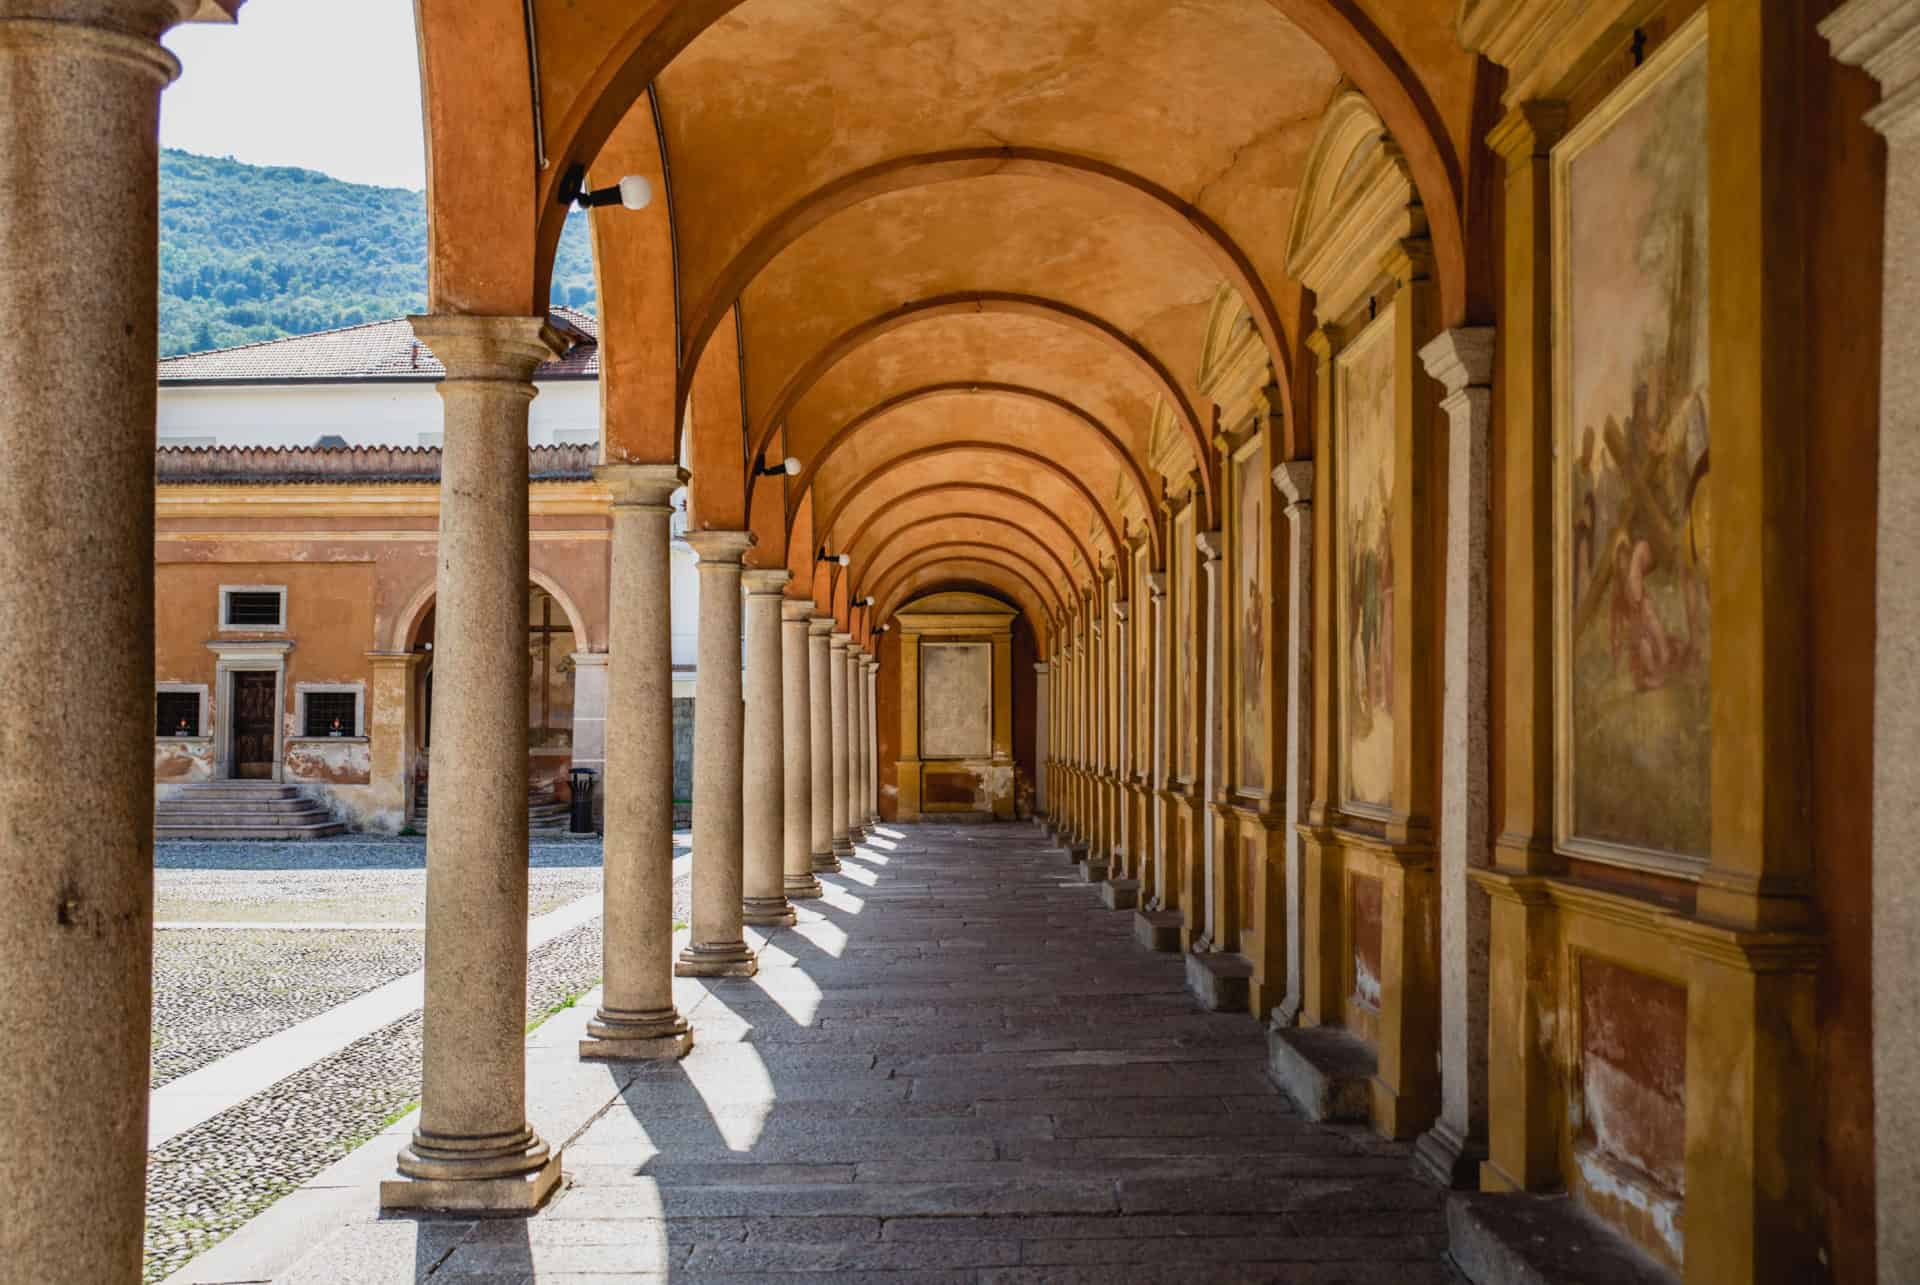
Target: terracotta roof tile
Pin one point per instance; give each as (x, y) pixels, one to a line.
(181, 465)
(372, 350)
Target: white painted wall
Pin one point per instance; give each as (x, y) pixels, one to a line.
(366, 414)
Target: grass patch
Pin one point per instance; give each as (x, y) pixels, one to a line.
(566, 1002)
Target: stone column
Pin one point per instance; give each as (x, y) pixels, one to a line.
(1883, 36)
(1042, 713)
(1451, 1151)
(79, 110)
(1295, 480)
(856, 746)
(1157, 898)
(837, 713)
(1211, 547)
(826, 860)
(797, 738)
(873, 741)
(763, 792)
(718, 947)
(590, 715)
(473, 1148)
(636, 1018)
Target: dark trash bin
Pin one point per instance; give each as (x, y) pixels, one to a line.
(581, 779)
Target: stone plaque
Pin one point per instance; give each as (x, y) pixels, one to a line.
(956, 700)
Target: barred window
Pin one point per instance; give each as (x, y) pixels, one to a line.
(331, 714)
(253, 608)
(177, 714)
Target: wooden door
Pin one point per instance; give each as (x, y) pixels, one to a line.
(253, 692)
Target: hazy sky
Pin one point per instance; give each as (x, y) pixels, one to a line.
(329, 85)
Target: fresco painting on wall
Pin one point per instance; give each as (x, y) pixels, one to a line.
(1633, 628)
(1183, 561)
(1251, 612)
(1365, 419)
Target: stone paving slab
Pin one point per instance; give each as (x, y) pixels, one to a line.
(957, 1067)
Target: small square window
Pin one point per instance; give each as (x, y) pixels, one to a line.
(177, 714)
(253, 607)
(332, 714)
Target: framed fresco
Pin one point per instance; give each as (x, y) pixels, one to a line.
(1633, 549)
(1185, 624)
(1250, 484)
(1365, 421)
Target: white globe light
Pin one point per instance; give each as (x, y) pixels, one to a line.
(635, 192)
(844, 559)
(792, 466)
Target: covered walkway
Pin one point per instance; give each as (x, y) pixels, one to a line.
(957, 1065)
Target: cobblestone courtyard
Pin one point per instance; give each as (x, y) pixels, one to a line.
(255, 938)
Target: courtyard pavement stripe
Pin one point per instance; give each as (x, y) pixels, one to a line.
(277, 925)
(200, 1095)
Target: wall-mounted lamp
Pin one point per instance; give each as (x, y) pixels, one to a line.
(867, 601)
(789, 467)
(633, 191)
(840, 559)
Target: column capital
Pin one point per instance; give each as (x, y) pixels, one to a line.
(641, 486)
(838, 641)
(1530, 129)
(1294, 479)
(1883, 38)
(792, 610)
(494, 349)
(589, 659)
(762, 582)
(1210, 544)
(819, 626)
(1041, 667)
(1461, 357)
(722, 547)
(1157, 584)
(395, 659)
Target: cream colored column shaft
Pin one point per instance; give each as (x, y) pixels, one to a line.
(79, 109)
(873, 741)
(837, 714)
(1451, 1151)
(473, 1148)
(1211, 547)
(1295, 480)
(718, 946)
(797, 738)
(636, 1018)
(1883, 36)
(763, 801)
(1043, 712)
(1157, 749)
(826, 859)
(856, 747)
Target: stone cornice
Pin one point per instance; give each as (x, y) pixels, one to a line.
(1883, 38)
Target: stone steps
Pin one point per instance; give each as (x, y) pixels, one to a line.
(547, 816)
(241, 810)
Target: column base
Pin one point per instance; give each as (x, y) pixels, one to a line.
(1095, 870)
(614, 1036)
(767, 911)
(1534, 1240)
(716, 959)
(1219, 981)
(1158, 930)
(1120, 894)
(522, 1194)
(856, 835)
(1076, 853)
(826, 863)
(842, 846)
(1446, 1159)
(1325, 1070)
(803, 887)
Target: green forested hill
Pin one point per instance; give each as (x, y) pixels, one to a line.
(249, 252)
